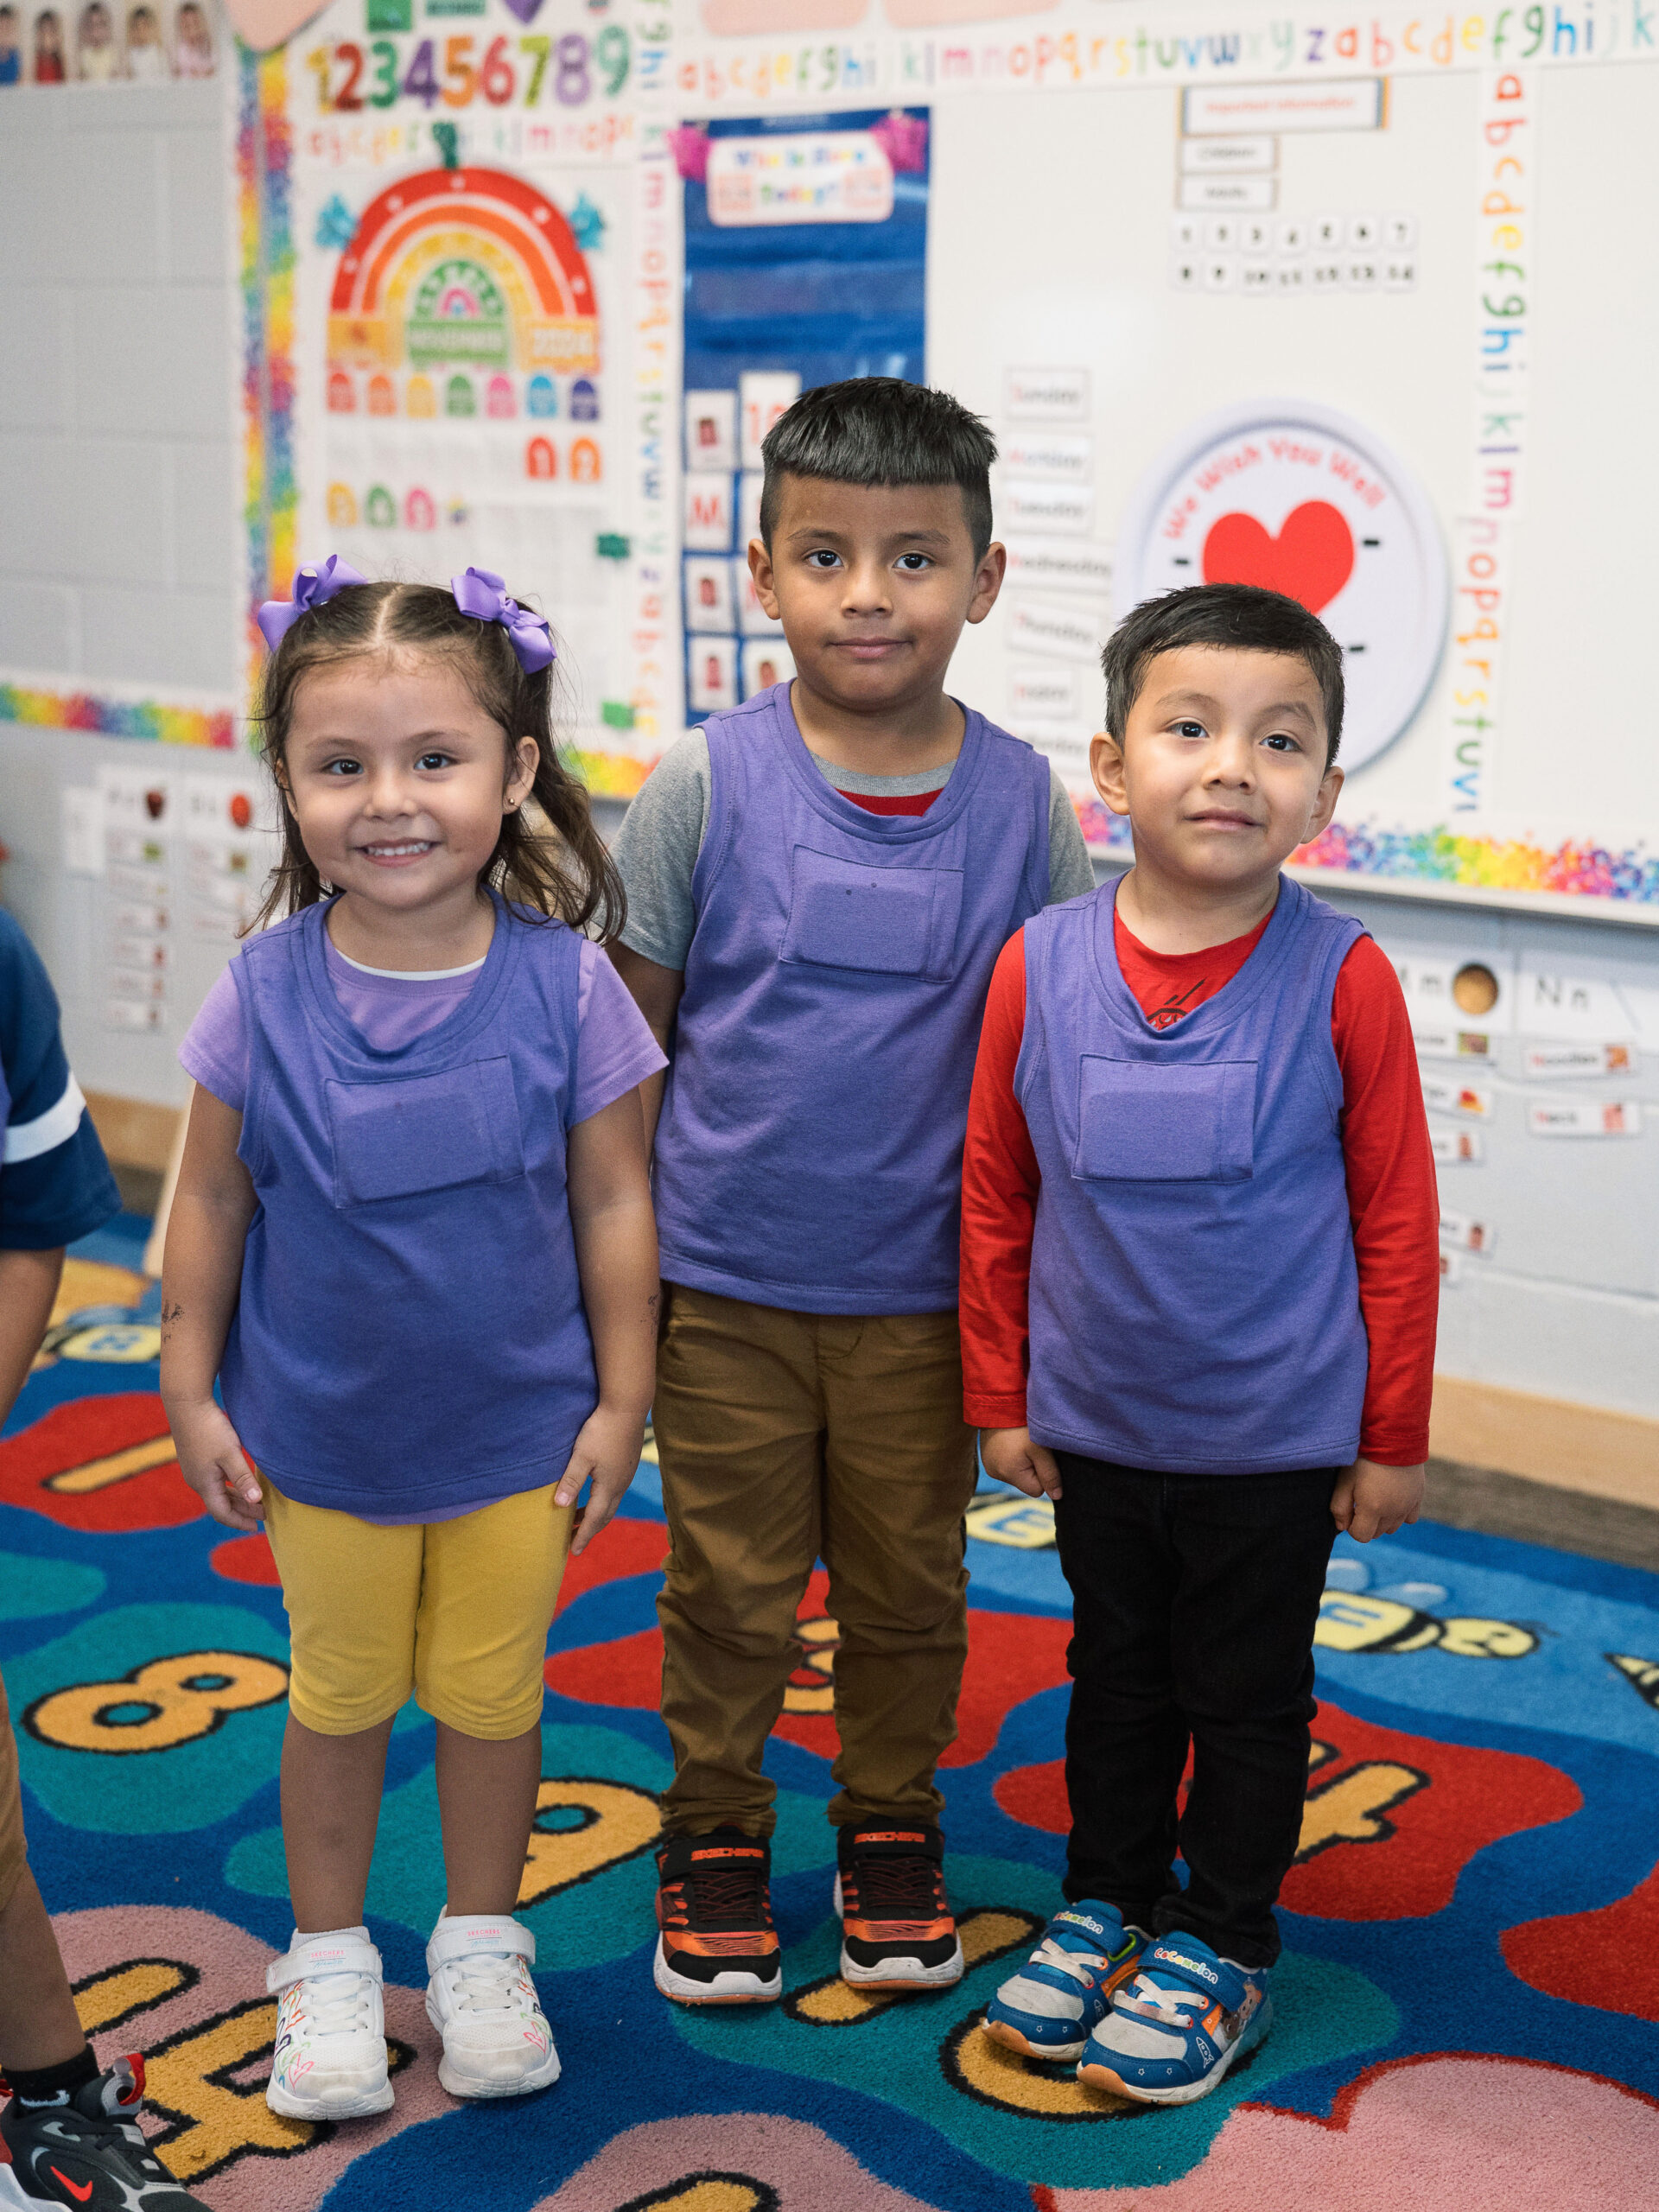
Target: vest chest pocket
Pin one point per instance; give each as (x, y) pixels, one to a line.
(1139, 1121)
(411, 1133)
(893, 921)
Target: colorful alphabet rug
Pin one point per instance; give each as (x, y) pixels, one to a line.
(1465, 2007)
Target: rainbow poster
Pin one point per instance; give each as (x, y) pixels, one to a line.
(460, 212)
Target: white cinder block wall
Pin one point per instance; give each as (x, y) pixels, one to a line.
(117, 543)
(119, 560)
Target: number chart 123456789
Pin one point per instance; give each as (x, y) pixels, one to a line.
(461, 69)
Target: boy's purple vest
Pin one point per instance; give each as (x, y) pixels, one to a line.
(810, 1154)
(1194, 1301)
(410, 1337)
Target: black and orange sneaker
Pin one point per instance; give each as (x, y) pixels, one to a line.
(718, 1944)
(897, 1928)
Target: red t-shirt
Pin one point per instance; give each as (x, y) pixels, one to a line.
(1392, 1203)
(899, 803)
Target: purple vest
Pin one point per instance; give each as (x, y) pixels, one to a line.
(1194, 1301)
(809, 1154)
(410, 1337)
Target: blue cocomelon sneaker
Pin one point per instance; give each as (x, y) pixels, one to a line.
(1172, 2032)
(1047, 2009)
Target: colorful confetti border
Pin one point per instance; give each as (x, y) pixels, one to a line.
(607, 775)
(1102, 830)
(265, 160)
(144, 718)
(1575, 869)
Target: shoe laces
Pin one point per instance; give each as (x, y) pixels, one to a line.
(136, 2147)
(1157, 2000)
(143, 2157)
(904, 1887)
(338, 2004)
(485, 1981)
(729, 1894)
(1082, 1966)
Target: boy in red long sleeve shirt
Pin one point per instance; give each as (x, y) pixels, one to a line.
(1199, 1281)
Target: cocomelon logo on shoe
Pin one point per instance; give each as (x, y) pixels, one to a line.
(1077, 1920)
(1162, 1957)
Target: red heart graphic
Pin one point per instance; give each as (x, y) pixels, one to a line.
(1310, 559)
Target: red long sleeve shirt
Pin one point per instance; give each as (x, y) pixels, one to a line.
(1392, 1203)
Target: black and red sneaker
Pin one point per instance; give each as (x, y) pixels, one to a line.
(713, 1907)
(89, 2150)
(897, 1928)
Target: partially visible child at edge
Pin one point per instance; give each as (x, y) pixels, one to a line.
(412, 1237)
(818, 885)
(69, 2132)
(1199, 1209)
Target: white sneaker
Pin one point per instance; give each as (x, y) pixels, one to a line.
(330, 2060)
(483, 2003)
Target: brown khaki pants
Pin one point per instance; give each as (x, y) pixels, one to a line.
(785, 1437)
(13, 1856)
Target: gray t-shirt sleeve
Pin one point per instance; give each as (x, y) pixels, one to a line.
(656, 852)
(1070, 873)
(656, 849)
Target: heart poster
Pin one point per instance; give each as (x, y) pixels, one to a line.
(1299, 500)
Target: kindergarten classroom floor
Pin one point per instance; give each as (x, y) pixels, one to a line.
(1465, 2008)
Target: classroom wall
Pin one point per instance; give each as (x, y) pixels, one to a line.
(120, 561)
(118, 552)
(71, 917)
(1562, 1300)
(117, 555)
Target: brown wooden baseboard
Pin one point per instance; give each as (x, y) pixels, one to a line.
(1547, 1440)
(134, 1133)
(1541, 1513)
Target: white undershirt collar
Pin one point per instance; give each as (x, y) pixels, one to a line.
(409, 975)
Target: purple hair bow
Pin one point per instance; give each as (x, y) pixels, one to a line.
(481, 593)
(312, 587)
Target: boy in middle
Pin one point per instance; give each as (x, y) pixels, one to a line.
(819, 887)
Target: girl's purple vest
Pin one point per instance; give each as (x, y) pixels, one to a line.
(1194, 1301)
(410, 1340)
(810, 1154)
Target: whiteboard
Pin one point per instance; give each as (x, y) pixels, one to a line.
(1574, 757)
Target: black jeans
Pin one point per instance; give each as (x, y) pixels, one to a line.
(1195, 1601)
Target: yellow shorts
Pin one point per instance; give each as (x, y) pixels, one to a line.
(456, 1610)
(13, 1857)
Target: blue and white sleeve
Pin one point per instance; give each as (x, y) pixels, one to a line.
(56, 1183)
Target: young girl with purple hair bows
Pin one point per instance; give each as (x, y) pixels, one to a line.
(412, 1241)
